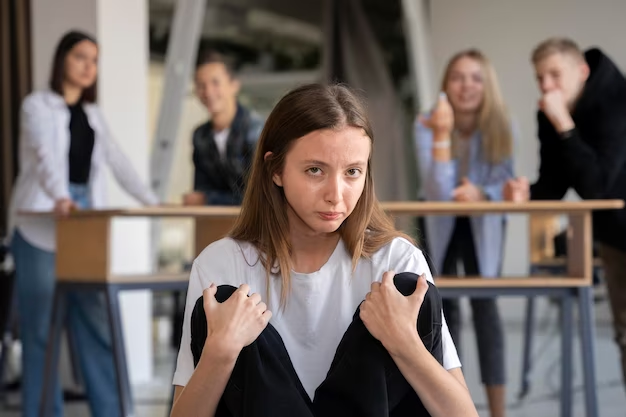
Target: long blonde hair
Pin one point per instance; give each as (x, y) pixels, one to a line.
(493, 118)
(263, 219)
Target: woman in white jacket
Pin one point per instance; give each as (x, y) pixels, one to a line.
(64, 146)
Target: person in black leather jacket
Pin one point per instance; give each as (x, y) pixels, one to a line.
(222, 147)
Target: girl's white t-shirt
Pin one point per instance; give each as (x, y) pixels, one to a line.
(320, 305)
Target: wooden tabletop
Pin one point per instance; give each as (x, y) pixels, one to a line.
(547, 206)
(441, 282)
(414, 208)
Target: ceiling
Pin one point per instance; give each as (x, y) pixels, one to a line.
(278, 35)
(275, 33)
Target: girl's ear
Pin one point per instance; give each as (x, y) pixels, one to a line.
(276, 178)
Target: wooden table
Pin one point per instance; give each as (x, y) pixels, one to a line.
(84, 262)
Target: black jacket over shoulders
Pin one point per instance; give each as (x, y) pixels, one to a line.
(592, 161)
(223, 179)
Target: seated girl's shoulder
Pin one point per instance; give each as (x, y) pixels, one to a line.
(398, 247)
(399, 255)
(226, 261)
(226, 250)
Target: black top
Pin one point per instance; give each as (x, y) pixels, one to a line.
(592, 159)
(82, 139)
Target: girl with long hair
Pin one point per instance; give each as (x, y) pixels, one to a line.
(298, 311)
(464, 154)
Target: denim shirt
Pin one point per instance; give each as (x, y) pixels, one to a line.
(439, 179)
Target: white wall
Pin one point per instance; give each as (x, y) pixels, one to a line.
(50, 19)
(121, 28)
(507, 31)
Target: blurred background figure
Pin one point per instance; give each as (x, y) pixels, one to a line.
(64, 146)
(582, 133)
(464, 153)
(224, 146)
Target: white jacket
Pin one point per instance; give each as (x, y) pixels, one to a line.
(44, 165)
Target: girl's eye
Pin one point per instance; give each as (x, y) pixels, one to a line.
(314, 171)
(354, 172)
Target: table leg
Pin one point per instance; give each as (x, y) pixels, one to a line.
(119, 354)
(59, 311)
(566, 354)
(528, 343)
(587, 333)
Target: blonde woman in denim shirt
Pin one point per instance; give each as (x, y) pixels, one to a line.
(464, 153)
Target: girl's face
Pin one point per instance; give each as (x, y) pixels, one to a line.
(465, 86)
(81, 64)
(324, 177)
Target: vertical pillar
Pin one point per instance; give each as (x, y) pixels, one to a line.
(416, 27)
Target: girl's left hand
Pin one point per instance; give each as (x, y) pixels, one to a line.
(467, 192)
(390, 316)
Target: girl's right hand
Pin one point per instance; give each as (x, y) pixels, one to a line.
(63, 207)
(441, 120)
(236, 322)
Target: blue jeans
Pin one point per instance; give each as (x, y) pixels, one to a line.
(87, 320)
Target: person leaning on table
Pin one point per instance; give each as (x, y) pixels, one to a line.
(64, 147)
(582, 135)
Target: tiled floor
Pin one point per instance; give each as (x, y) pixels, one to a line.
(152, 400)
